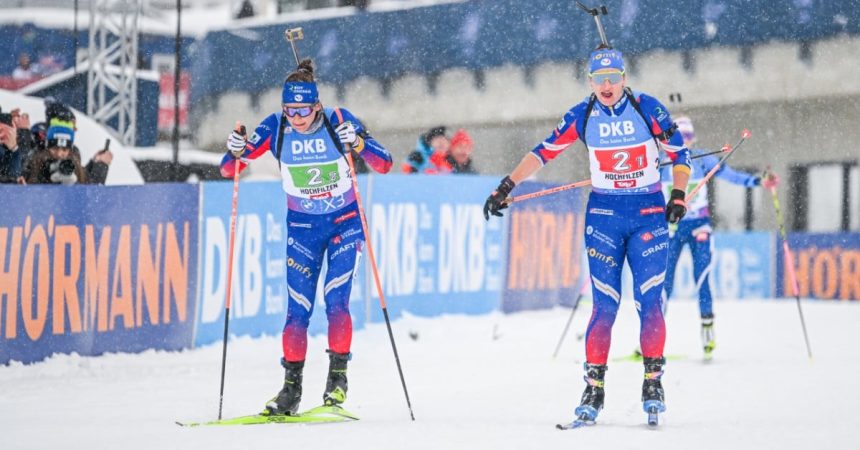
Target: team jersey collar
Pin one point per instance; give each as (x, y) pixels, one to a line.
(615, 110)
(315, 126)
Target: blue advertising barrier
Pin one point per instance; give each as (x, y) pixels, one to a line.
(827, 266)
(259, 298)
(742, 268)
(436, 253)
(94, 269)
(544, 265)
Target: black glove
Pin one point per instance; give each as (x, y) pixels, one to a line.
(496, 201)
(677, 206)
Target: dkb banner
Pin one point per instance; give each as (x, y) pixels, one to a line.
(259, 294)
(94, 269)
(435, 251)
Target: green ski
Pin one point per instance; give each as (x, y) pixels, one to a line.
(320, 414)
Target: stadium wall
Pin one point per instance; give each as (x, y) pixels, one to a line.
(93, 269)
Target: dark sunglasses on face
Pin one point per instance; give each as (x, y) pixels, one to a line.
(302, 111)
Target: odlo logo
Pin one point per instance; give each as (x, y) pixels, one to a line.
(593, 253)
(292, 264)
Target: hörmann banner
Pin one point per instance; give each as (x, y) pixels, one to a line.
(827, 266)
(94, 269)
(544, 265)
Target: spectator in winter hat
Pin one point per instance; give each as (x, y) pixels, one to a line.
(460, 155)
(58, 164)
(430, 153)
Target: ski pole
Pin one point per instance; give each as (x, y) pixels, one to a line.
(570, 319)
(584, 183)
(788, 260)
(744, 136)
(230, 251)
(293, 35)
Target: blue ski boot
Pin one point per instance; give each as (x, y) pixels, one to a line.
(653, 398)
(592, 397)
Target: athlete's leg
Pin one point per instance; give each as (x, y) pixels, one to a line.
(676, 246)
(305, 247)
(702, 249)
(647, 251)
(344, 254)
(604, 244)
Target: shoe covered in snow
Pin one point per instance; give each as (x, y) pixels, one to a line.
(336, 385)
(652, 386)
(287, 400)
(592, 397)
(708, 340)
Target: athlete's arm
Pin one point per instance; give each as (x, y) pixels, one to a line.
(661, 122)
(373, 153)
(733, 176)
(259, 143)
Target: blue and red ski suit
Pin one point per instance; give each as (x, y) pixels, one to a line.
(625, 215)
(322, 219)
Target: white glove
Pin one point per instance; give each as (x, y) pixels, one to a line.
(346, 133)
(236, 143)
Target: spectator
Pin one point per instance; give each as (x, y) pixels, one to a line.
(430, 153)
(58, 163)
(10, 157)
(460, 155)
(58, 113)
(24, 71)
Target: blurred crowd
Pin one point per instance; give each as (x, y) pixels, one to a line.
(437, 153)
(45, 152)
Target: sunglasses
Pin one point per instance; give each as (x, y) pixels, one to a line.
(614, 77)
(302, 111)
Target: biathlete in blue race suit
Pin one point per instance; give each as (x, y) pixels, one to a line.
(626, 216)
(695, 228)
(323, 221)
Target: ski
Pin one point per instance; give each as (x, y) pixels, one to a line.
(581, 421)
(585, 416)
(653, 408)
(637, 357)
(320, 414)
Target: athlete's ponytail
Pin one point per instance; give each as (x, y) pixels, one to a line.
(303, 73)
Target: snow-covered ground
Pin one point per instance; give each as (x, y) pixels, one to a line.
(476, 382)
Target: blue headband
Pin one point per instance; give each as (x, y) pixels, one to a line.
(605, 59)
(299, 92)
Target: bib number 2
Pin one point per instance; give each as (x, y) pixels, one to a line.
(622, 160)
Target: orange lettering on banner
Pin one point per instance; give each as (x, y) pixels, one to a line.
(802, 272)
(850, 272)
(35, 324)
(96, 265)
(564, 250)
(9, 279)
(176, 272)
(546, 252)
(121, 302)
(824, 275)
(148, 275)
(65, 284)
(516, 252)
(532, 239)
